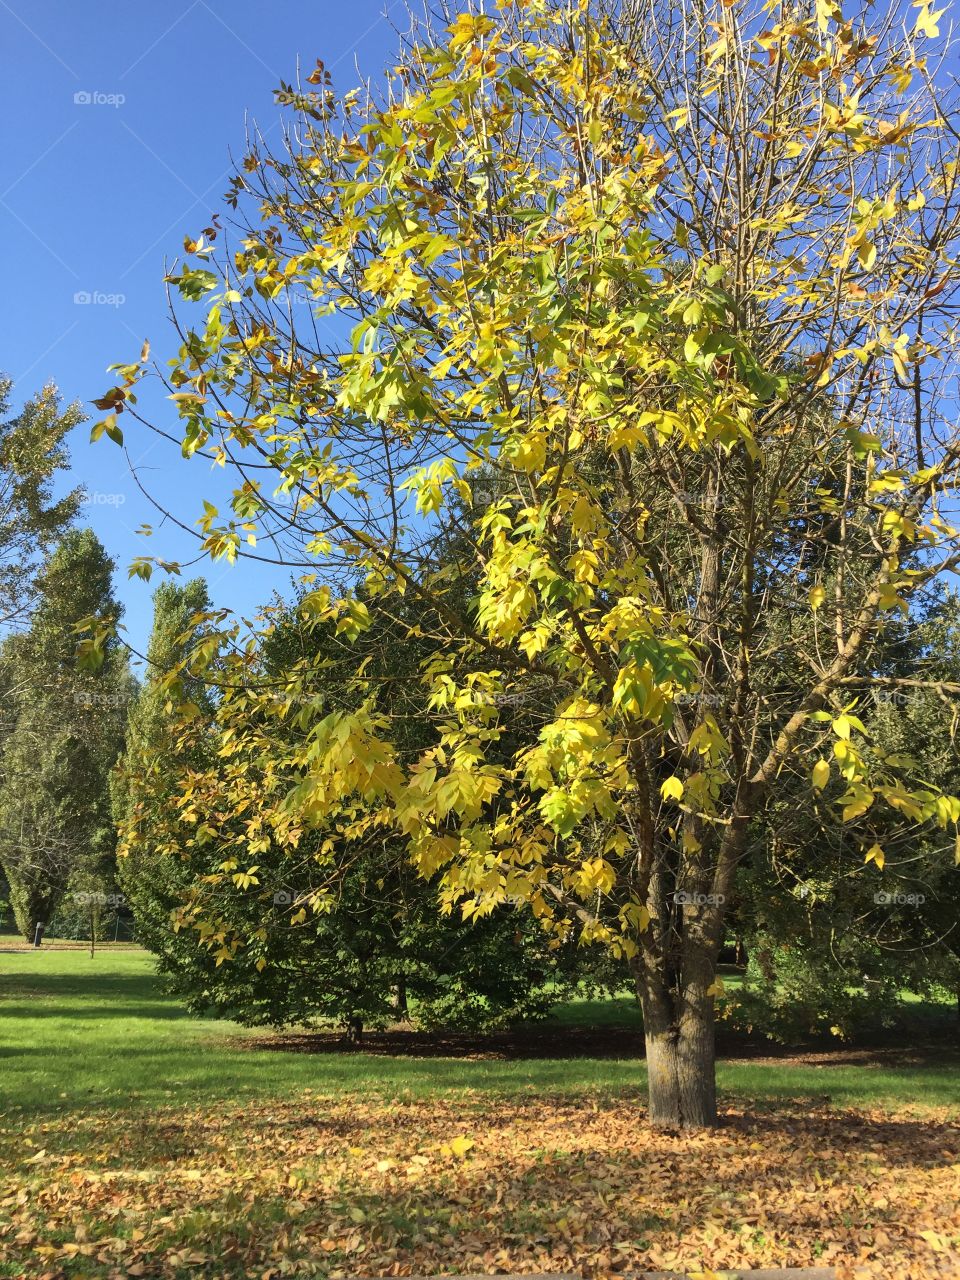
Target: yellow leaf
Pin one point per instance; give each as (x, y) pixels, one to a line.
(672, 789)
(867, 254)
(875, 854)
(821, 774)
(927, 22)
(816, 597)
(935, 1240)
(859, 799)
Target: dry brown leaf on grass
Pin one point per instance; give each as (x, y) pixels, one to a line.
(344, 1187)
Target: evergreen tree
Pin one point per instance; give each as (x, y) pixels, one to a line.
(66, 731)
(32, 453)
(355, 956)
(143, 784)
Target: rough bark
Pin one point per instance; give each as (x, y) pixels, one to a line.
(679, 1034)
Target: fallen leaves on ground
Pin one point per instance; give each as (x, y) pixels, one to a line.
(351, 1186)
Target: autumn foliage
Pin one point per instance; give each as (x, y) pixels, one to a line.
(643, 315)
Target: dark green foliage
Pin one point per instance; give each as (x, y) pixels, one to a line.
(382, 953)
(144, 783)
(33, 453)
(64, 733)
(833, 941)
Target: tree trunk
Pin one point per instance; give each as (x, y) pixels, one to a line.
(681, 1063)
(354, 1030)
(401, 998)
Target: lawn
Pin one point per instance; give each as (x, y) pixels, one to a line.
(142, 1141)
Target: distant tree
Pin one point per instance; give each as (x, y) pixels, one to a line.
(33, 453)
(144, 783)
(380, 951)
(66, 731)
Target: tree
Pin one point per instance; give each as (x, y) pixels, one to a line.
(142, 786)
(32, 454)
(663, 295)
(66, 733)
(378, 952)
(297, 950)
(832, 948)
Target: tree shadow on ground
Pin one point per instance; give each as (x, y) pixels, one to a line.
(544, 1041)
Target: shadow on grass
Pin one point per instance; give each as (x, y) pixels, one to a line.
(543, 1040)
(97, 993)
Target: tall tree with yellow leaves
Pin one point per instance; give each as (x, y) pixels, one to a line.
(648, 310)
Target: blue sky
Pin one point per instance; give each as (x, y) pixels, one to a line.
(119, 122)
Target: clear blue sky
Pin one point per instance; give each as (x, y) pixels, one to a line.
(119, 121)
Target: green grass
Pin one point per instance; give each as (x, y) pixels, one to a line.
(80, 1033)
